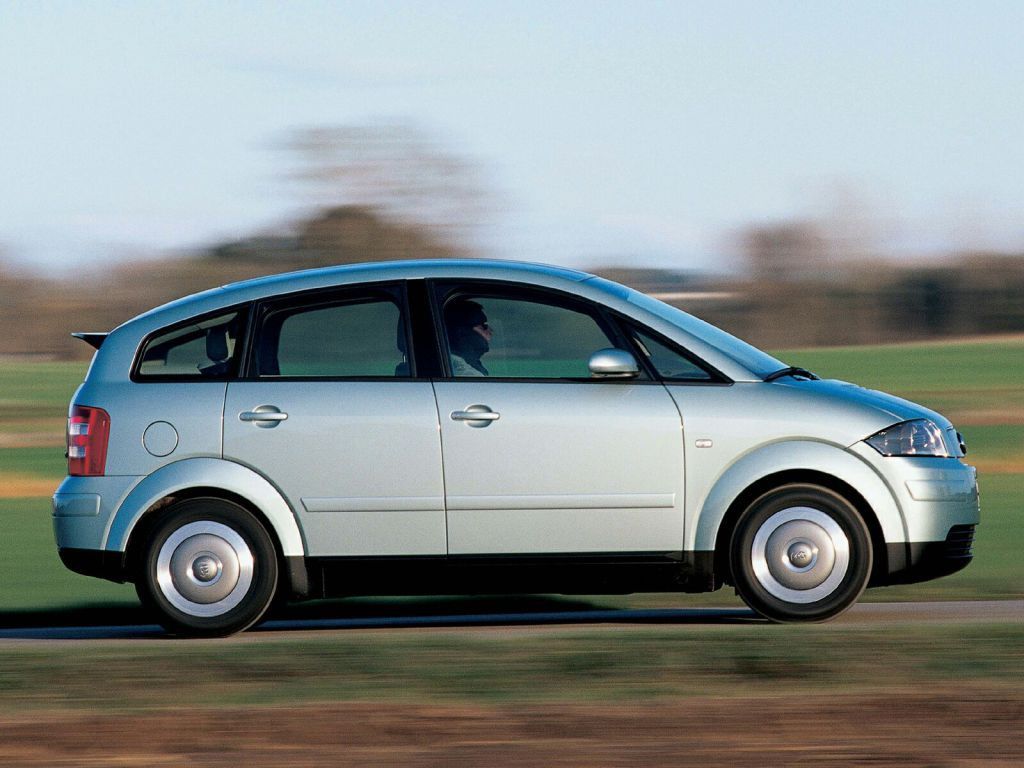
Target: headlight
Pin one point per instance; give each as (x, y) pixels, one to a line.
(919, 437)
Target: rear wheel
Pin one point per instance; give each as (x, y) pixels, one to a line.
(209, 569)
(800, 553)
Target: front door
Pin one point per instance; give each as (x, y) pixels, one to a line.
(539, 457)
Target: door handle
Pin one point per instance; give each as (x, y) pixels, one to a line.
(476, 416)
(265, 416)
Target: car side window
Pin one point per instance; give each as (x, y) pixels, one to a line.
(362, 337)
(519, 337)
(207, 348)
(670, 364)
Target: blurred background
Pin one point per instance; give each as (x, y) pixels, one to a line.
(800, 174)
(842, 184)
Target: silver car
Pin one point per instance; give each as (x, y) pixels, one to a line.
(458, 427)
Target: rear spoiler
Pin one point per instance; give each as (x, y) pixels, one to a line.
(94, 340)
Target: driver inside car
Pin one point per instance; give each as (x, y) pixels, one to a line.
(469, 337)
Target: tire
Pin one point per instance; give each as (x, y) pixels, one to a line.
(208, 569)
(800, 553)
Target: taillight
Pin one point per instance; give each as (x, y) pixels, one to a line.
(88, 431)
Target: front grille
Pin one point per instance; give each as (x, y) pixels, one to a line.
(959, 542)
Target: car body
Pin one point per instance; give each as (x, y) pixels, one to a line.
(338, 431)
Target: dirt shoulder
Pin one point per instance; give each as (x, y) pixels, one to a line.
(949, 727)
(15, 486)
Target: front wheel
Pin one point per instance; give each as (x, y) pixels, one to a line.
(800, 553)
(209, 568)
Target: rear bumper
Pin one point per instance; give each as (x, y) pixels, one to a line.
(94, 562)
(84, 506)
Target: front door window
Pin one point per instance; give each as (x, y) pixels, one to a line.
(520, 337)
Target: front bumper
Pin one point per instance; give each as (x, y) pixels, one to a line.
(938, 499)
(925, 560)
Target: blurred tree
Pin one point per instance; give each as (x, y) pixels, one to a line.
(397, 171)
(342, 235)
(354, 233)
(786, 252)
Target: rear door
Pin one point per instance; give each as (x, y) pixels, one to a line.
(331, 412)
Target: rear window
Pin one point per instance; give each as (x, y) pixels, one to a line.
(206, 348)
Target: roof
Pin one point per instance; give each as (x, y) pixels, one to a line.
(705, 341)
(409, 269)
(326, 277)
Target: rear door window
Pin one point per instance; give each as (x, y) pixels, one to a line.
(350, 336)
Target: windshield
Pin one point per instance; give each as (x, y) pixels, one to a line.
(750, 357)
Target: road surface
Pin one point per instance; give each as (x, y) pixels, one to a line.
(534, 619)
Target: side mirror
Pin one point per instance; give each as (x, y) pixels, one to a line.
(613, 363)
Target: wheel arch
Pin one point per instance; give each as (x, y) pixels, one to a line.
(151, 517)
(807, 462)
(209, 478)
(798, 477)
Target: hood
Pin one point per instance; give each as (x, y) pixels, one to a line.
(896, 408)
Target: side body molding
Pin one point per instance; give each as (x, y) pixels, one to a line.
(206, 473)
(794, 455)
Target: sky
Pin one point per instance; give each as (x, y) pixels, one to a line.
(608, 132)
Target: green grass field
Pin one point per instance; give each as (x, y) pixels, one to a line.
(980, 386)
(47, 385)
(568, 665)
(45, 461)
(976, 366)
